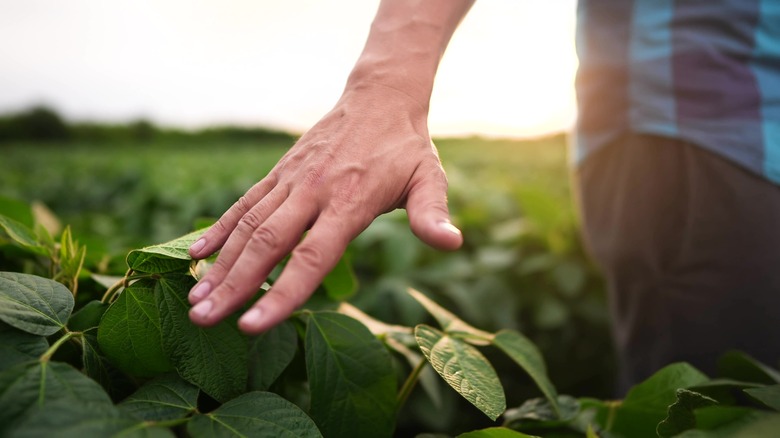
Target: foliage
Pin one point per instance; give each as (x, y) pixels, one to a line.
(522, 266)
(132, 364)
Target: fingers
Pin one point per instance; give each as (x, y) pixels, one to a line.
(242, 233)
(217, 235)
(268, 243)
(311, 261)
(429, 216)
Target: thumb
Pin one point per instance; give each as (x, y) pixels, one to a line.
(429, 216)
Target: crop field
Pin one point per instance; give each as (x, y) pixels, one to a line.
(522, 275)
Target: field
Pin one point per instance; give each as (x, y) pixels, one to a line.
(101, 350)
(522, 265)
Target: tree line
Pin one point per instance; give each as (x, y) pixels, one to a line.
(42, 124)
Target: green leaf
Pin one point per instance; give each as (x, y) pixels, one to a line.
(740, 366)
(768, 395)
(255, 414)
(646, 404)
(29, 391)
(464, 368)
(215, 358)
(165, 398)
(353, 384)
(34, 304)
(524, 353)
(86, 425)
(733, 422)
(494, 432)
(450, 323)
(21, 235)
(17, 346)
(95, 364)
(540, 409)
(166, 257)
(724, 391)
(680, 415)
(130, 332)
(341, 282)
(88, 316)
(17, 210)
(71, 260)
(270, 354)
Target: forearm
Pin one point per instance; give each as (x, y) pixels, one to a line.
(405, 45)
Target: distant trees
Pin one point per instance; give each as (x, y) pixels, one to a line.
(36, 124)
(43, 124)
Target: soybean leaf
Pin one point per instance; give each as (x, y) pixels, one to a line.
(524, 353)
(86, 425)
(351, 377)
(165, 398)
(17, 210)
(740, 366)
(49, 396)
(71, 260)
(34, 304)
(724, 391)
(166, 257)
(733, 422)
(21, 235)
(130, 332)
(494, 432)
(450, 323)
(341, 283)
(680, 415)
(96, 365)
(540, 409)
(17, 346)
(768, 395)
(464, 368)
(269, 355)
(255, 414)
(87, 317)
(646, 404)
(215, 358)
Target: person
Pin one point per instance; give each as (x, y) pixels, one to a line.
(677, 165)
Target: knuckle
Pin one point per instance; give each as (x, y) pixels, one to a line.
(265, 237)
(249, 220)
(242, 205)
(311, 256)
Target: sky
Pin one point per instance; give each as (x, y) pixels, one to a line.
(508, 71)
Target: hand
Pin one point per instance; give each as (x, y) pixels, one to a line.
(369, 155)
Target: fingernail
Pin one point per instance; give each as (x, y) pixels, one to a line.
(449, 228)
(252, 317)
(200, 290)
(202, 309)
(197, 246)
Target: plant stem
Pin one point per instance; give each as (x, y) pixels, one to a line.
(112, 291)
(613, 406)
(45, 357)
(406, 389)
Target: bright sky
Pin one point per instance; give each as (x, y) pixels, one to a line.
(509, 70)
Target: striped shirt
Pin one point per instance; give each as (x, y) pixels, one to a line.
(703, 71)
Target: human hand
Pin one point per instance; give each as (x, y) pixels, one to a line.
(371, 154)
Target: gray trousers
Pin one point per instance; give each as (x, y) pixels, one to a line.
(690, 247)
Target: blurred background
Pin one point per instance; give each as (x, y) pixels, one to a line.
(135, 122)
